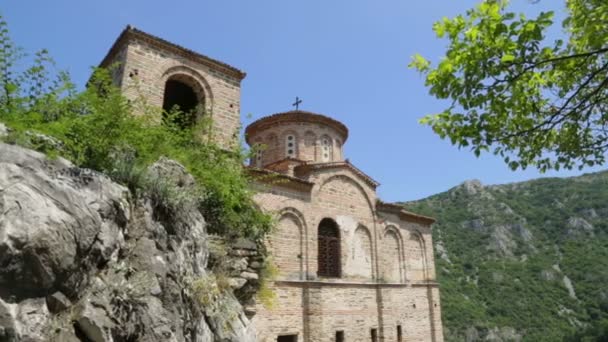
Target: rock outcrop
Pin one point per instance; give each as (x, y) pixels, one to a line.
(82, 260)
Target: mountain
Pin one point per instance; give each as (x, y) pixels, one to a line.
(524, 261)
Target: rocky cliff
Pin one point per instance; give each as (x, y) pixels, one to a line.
(83, 259)
(522, 262)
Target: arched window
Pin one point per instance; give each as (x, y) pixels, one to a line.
(326, 149)
(328, 249)
(182, 95)
(290, 146)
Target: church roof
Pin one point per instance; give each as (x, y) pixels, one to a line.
(295, 116)
(304, 168)
(399, 210)
(278, 179)
(131, 33)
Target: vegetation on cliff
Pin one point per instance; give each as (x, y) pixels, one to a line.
(523, 261)
(95, 129)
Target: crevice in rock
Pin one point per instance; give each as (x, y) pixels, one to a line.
(80, 334)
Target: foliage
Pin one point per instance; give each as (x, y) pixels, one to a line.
(522, 287)
(266, 295)
(513, 92)
(96, 129)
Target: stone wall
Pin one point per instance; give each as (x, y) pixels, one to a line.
(240, 262)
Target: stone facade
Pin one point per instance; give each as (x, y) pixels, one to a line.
(351, 267)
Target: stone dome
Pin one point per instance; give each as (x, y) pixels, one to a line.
(298, 135)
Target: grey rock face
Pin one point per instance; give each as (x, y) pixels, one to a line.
(172, 170)
(579, 226)
(81, 260)
(56, 219)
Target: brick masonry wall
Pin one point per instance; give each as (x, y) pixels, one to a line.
(145, 70)
(308, 142)
(386, 265)
(315, 312)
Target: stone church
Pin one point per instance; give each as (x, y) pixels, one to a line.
(351, 267)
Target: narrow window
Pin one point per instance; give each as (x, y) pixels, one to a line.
(326, 149)
(290, 146)
(340, 336)
(328, 249)
(399, 334)
(374, 335)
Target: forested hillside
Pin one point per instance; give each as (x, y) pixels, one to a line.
(524, 261)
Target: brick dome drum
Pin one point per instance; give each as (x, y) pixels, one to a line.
(298, 135)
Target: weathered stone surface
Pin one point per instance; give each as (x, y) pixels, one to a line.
(249, 276)
(56, 219)
(116, 270)
(245, 244)
(578, 226)
(92, 319)
(237, 283)
(57, 302)
(171, 170)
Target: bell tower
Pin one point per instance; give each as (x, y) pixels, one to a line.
(168, 76)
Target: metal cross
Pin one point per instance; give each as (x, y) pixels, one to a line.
(297, 103)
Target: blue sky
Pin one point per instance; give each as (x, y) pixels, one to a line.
(345, 58)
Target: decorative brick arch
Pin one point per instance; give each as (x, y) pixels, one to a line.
(415, 251)
(362, 255)
(192, 78)
(392, 269)
(356, 184)
(288, 243)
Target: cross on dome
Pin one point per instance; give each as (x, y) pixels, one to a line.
(297, 103)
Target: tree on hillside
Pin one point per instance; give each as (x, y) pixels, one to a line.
(533, 101)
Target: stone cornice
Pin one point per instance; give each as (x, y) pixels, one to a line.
(402, 213)
(294, 116)
(130, 33)
(308, 167)
(273, 178)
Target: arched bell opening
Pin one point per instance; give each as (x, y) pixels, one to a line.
(183, 101)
